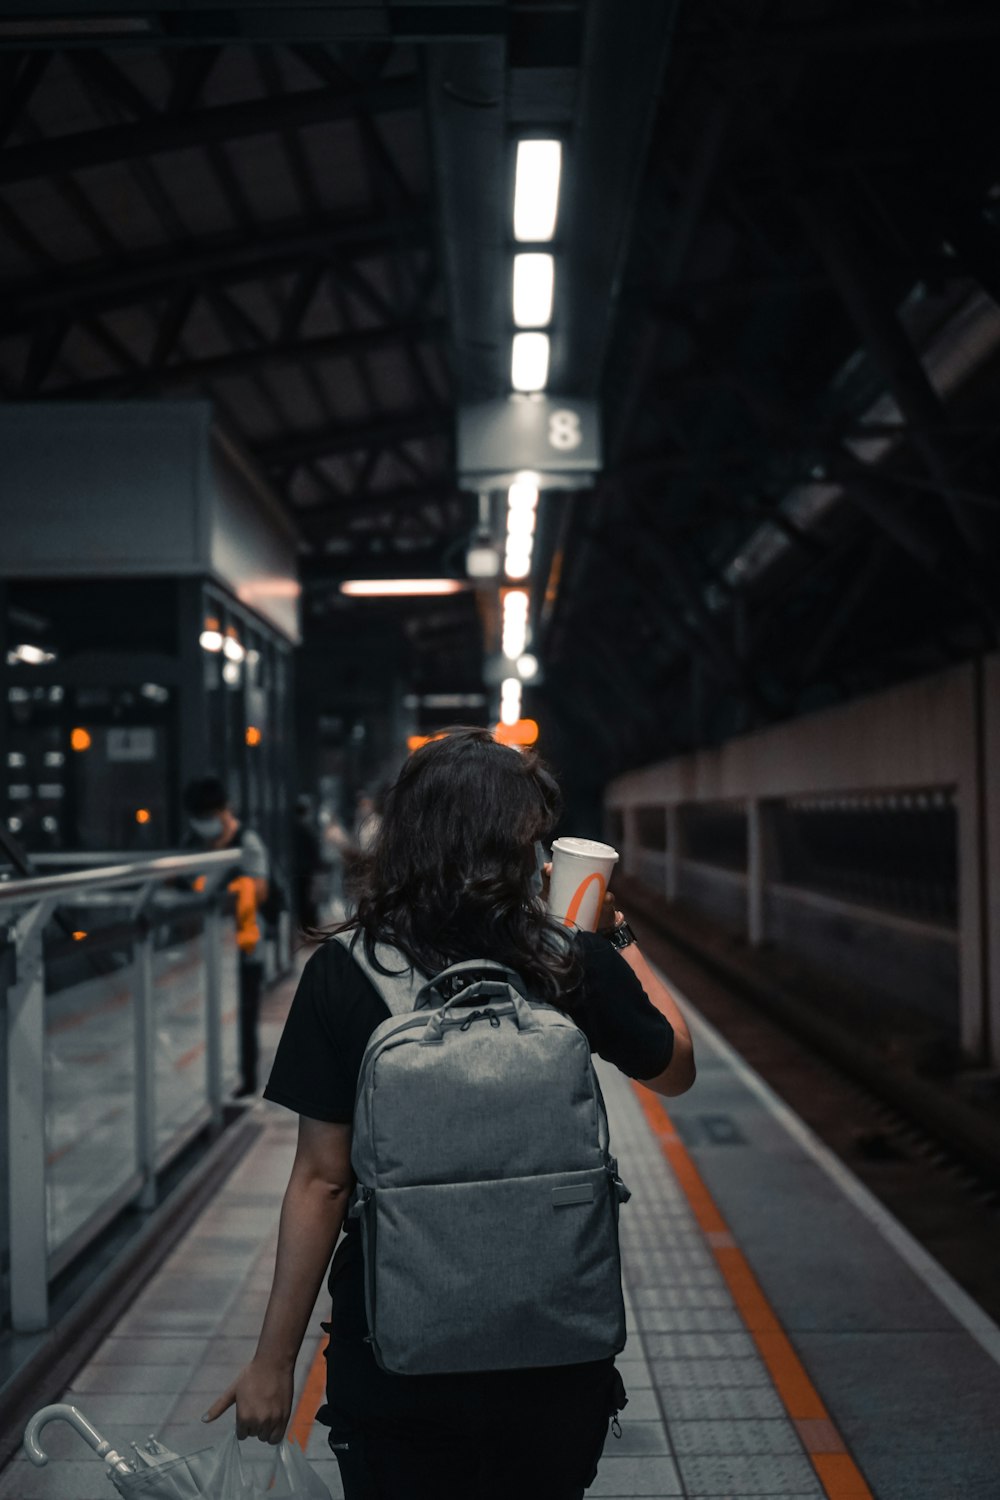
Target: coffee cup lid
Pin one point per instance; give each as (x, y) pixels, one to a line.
(585, 848)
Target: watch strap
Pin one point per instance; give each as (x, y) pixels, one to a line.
(621, 936)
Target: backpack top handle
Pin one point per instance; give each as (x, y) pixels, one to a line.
(486, 968)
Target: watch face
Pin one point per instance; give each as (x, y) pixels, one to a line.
(623, 936)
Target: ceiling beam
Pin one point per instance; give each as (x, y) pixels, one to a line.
(179, 23)
(242, 361)
(850, 35)
(830, 225)
(405, 498)
(611, 142)
(686, 218)
(226, 260)
(402, 427)
(200, 127)
(320, 572)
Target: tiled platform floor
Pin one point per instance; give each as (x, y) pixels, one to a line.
(704, 1418)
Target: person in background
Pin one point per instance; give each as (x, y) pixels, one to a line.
(307, 862)
(367, 821)
(214, 825)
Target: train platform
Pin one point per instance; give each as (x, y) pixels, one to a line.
(786, 1336)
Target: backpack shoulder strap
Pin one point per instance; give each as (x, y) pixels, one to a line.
(399, 988)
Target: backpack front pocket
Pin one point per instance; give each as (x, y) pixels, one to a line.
(507, 1273)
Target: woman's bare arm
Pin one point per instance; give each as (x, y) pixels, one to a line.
(312, 1213)
(679, 1074)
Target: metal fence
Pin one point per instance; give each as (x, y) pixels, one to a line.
(119, 995)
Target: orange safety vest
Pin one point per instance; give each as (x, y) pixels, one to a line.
(247, 930)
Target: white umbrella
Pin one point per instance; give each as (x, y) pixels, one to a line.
(155, 1473)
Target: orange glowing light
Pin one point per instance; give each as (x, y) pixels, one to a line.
(142, 815)
(78, 937)
(80, 739)
(522, 733)
(253, 735)
(415, 741)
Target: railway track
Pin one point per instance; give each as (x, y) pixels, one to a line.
(947, 1197)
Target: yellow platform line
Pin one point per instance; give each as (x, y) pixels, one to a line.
(838, 1473)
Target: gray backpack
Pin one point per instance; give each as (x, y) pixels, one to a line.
(486, 1192)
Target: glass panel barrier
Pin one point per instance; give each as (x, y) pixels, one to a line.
(90, 1124)
(179, 1020)
(105, 975)
(230, 1009)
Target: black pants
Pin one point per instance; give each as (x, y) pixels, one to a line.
(251, 983)
(509, 1435)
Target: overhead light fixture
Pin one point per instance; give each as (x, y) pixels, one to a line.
(510, 700)
(523, 493)
(534, 287)
(514, 634)
(452, 700)
(522, 500)
(29, 656)
(482, 559)
(517, 562)
(211, 638)
(232, 647)
(529, 361)
(536, 189)
(378, 588)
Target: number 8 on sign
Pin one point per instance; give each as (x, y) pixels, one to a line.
(564, 430)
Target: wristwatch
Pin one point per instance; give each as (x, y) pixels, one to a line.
(621, 936)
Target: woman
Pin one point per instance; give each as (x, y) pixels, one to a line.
(454, 873)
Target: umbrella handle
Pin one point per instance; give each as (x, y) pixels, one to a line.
(74, 1416)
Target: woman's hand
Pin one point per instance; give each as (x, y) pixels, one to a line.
(262, 1394)
(608, 918)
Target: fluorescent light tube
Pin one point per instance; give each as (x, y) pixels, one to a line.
(536, 189)
(510, 700)
(529, 361)
(523, 493)
(376, 588)
(534, 284)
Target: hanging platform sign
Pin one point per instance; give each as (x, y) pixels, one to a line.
(556, 437)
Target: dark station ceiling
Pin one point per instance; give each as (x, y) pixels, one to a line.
(778, 268)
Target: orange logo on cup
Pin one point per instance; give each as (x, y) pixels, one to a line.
(569, 920)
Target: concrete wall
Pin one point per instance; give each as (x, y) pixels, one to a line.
(942, 731)
(141, 489)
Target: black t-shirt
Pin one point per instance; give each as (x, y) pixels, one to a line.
(336, 1009)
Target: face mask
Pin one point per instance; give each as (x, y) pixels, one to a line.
(536, 879)
(208, 829)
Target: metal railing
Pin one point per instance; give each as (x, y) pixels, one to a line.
(118, 1047)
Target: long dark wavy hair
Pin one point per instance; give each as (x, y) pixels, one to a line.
(449, 874)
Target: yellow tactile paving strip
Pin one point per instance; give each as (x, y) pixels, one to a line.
(838, 1473)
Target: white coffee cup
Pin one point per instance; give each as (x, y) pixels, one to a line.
(581, 869)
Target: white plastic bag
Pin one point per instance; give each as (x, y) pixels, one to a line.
(251, 1471)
